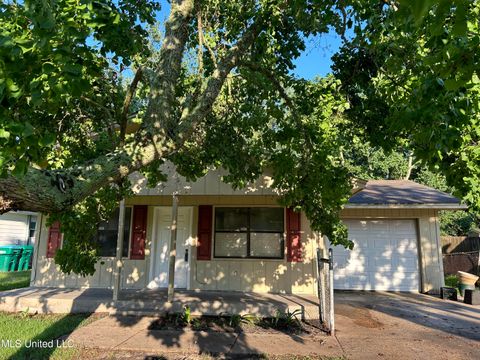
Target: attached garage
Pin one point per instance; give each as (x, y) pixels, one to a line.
(384, 257)
(394, 226)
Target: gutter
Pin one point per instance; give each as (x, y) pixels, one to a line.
(439, 206)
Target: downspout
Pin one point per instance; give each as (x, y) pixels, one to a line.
(439, 250)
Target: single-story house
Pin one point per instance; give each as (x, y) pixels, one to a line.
(18, 228)
(243, 240)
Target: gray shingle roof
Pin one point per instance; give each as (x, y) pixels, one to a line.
(401, 192)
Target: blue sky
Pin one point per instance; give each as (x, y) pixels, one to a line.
(316, 59)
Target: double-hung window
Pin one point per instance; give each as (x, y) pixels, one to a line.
(249, 232)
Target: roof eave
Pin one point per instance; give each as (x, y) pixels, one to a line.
(439, 206)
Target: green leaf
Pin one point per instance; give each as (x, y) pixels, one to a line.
(4, 134)
(73, 69)
(47, 140)
(20, 168)
(48, 67)
(28, 130)
(47, 22)
(453, 84)
(36, 97)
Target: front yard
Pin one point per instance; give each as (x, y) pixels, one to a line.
(14, 279)
(25, 336)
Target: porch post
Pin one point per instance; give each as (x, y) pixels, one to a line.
(173, 248)
(118, 258)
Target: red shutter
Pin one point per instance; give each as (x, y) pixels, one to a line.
(294, 243)
(204, 247)
(139, 232)
(54, 239)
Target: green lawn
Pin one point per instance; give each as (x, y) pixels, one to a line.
(20, 329)
(23, 330)
(14, 279)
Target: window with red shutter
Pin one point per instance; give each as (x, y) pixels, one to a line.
(204, 248)
(54, 239)
(294, 241)
(139, 232)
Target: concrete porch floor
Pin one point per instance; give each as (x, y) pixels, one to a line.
(152, 302)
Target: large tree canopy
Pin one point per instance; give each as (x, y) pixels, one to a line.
(215, 89)
(411, 74)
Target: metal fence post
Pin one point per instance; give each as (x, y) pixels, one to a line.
(320, 287)
(332, 312)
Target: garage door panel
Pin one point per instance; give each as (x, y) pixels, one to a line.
(340, 261)
(381, 264)
(384, 257)
(357, 280)
(407, 264)
(381, 243)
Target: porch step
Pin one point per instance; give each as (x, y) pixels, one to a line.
(45, 300)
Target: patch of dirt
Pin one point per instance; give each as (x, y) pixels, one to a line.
(359, 315)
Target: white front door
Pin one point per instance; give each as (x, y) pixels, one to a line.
(384, 257)
(160, 248)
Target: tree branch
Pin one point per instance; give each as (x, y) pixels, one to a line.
(159, 116)
(200, 42)
(57, 190)
(126, 104)
(271, 77)
(192, 116)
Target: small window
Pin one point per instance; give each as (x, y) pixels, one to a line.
(107, 233)
(249, 233)
(32, 226)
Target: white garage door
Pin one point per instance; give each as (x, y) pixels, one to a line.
(385, 256)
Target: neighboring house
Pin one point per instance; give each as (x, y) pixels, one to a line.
(242, 240)
(18, 228)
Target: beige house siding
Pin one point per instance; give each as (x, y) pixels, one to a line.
(47, 273)
(257, 275)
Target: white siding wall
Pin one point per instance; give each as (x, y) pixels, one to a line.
(13, 229)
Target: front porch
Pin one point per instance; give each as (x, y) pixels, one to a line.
(153, 302)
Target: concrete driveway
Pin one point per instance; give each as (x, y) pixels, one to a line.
(405, 326)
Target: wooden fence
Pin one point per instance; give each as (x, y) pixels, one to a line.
(458, 244)
(468, 262)
(461, 253)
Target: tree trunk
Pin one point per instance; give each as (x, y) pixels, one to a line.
(409, 167)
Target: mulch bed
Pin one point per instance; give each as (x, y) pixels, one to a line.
(233, 324)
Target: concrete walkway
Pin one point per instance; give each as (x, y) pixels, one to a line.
(369, 326)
